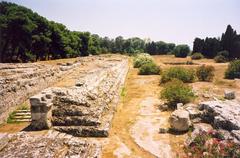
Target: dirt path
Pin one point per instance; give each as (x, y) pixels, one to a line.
(134, 132)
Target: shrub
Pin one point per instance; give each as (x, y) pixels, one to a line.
(233, 70)
(30, 57)
(141, 59)
(220, 59)
(149, 69)
(176, 91)
(224, 53)
(181, 51)
(185, 75)
(197, 56)
(205, 73)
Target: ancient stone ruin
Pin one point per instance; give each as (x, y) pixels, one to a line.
(82, 110)
(20, 81)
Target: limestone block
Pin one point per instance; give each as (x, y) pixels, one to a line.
(228, 94)
(222, 114)
(41, 111)
(180, 121)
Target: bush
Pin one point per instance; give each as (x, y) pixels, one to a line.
(205, 73)
(185, 75)
(233, 70)
(220, 59)
(176, 91)
(197, 56)
(141, 59)
(30, 57)
(224, 53)
(149, 69)
(181, 51)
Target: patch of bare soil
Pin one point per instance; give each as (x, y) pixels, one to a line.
(13, 127)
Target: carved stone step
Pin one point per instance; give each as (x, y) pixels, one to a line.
(22, 117)
(22, 114)
(22, 120)
(75, 121)
(23, 111)
(74, 110)
(84, 131)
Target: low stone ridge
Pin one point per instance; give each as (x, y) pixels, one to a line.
(85, 109)
(222, 114)
(52, 144)
(20, 81)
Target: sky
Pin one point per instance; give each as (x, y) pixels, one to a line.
(177, 21)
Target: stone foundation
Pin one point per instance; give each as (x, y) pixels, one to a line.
(20, 81)
(85, 109)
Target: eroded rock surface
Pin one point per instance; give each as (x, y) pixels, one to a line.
(179, 120)
(85, 109)
(222, 114)
(52, 144)
(20, 81)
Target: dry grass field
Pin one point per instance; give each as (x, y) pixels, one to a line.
(215, 88)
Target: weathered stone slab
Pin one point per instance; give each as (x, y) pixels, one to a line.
(222, 114)
(25, 145)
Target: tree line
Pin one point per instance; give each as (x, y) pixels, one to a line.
(26, 36)
(210, 47)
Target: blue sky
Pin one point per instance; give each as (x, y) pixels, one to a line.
(178, 21)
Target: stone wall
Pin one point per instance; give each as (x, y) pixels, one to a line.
(20, 81)
(85, 109)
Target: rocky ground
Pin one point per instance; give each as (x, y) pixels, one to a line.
(135, 129)
(51, 144)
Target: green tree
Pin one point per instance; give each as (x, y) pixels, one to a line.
(181, 51)
(198, 45)
(85, 37)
